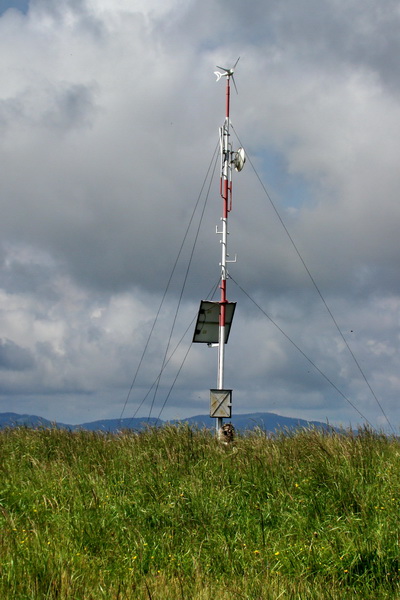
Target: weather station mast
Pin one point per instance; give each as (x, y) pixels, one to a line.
(215, 318)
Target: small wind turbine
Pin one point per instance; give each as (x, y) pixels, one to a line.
(227, 73)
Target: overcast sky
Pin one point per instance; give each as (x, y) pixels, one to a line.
(109, 116)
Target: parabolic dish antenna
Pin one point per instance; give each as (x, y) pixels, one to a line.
(239, 160)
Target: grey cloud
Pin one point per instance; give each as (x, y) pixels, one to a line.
(59, 106)
(81, 16)
(347, 33)
(18, 276)
(72, 106)
(14, 357)
(311, 34)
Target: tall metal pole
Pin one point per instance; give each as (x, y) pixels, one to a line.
(226, 192)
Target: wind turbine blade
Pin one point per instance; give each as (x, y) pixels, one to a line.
(234, 83)
(234, 66)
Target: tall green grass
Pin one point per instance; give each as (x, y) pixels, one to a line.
(170, 514)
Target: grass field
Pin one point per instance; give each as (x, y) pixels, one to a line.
(170, 514)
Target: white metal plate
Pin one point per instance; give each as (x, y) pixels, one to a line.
(221, 403)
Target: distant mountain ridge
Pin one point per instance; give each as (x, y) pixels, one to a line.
(266, 421)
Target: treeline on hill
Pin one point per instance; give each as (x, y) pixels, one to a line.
(171, 514)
